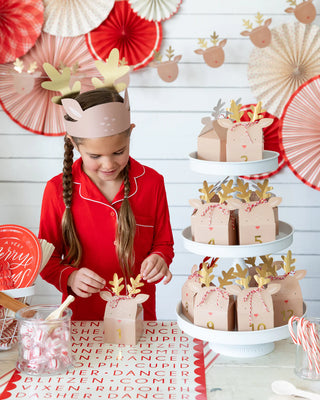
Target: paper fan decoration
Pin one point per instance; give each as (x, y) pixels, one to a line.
(276, 71)
(300, 133)
(134, 37)
(271, 140)
(20, 26)
(74, 17)
(155, 10)
(21, 94)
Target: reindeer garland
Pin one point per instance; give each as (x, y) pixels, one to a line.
(213, 56)
(167, 70)
(261, 35)
(305, 12)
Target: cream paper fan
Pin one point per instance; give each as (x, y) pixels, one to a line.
(74, 17)
(276, 71)
(155, 10)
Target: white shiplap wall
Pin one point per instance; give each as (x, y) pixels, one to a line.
(167, 118)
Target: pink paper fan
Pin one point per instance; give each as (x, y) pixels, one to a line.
(134, 37)
(155, 10)
(20, 26)
(74, 17)
(271, 141)
(300, 132)
(22, 96)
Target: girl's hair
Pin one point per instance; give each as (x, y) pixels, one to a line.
(126, 220)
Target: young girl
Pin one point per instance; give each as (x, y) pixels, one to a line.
(106, 213)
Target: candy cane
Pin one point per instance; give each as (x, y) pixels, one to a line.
(307, 337)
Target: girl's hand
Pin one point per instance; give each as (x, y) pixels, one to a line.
(153, 268)
(85, 282)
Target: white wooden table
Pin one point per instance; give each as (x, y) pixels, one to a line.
(229, 378)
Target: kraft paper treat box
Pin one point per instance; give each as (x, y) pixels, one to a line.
(288, 301)
(212, 143)
(244, 139)
(256, 219)
(214, 222)
(123, 319)
(188, 293)
(254, 306)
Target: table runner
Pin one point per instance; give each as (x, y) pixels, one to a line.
(166, 364)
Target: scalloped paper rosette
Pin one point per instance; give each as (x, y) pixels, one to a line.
(300, 133)
(134, 37)
(155, 10)
(20, 26)
(271, 141)
(276, 71)
(23, 98)
(74, 17)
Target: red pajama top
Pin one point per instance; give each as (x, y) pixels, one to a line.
(95, 222)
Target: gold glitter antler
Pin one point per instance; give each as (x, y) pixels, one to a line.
(262, 193)
(111, 71)
(208, 194)
(59, 82)
(226, 277)
(243, 189)
(288, 261)
(243, 275)
(256, 111)
(292, 2)
(116, 283)
(157, 56)
(135, 284)
(234, 111)
(206, 275)
(226, 191)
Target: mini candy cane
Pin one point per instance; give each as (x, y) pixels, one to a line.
(308, 338)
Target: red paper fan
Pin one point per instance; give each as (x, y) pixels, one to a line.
(300, 132)
(271, 141)
(22, 96)
(20, 26)
(136, 39)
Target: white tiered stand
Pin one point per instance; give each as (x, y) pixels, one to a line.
(243, 344)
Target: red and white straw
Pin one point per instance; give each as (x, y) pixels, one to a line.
(308, 338)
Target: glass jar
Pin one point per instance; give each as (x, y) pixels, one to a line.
(44, 346)
(308, 362)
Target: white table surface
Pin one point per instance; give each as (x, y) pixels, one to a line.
(229, 378)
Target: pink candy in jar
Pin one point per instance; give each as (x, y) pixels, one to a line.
(44, 346)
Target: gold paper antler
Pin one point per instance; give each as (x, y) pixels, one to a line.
(59, 82)
(226, 191)
(157, 56)
(170, 53)
(269, 265)
(288, 261)
(261, 280)
(234, 111)
(111, 71)
(262, 193)
(227, 277)
(242, 274)
(256, 111)
(251, 261)
(19, 66)
(135, 284)
(292, 2)
(208, 194)
(247, 24)
(205, 273)
(214, 38)
(259, 19)
(202, 43)
(243, 189)
(116, 283)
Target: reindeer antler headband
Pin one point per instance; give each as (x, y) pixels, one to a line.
(102, 120)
